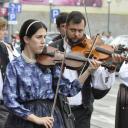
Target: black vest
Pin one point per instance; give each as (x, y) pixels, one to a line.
(4, 58)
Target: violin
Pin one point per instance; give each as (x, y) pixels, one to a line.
(47, 58)
(72, 60)
(85, 48)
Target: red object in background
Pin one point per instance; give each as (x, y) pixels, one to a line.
(93, 3)
(3, 11)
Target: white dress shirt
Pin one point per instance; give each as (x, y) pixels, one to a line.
(1, 85)
(11, 53)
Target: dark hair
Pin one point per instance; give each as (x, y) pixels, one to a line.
(75, 17)
(61, 18)
(29, 28)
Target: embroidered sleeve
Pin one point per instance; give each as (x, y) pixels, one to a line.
(10, 93)
(66, 87)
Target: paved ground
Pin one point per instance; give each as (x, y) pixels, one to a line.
(104, 109)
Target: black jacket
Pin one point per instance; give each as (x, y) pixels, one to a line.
(4, 58)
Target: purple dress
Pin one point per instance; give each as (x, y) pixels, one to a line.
(28, 89)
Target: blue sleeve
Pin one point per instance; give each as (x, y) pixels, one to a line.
(66, 87)
(10, 93)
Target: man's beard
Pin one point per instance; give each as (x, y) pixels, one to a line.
(73, 42)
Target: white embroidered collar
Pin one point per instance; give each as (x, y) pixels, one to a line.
(28, 60)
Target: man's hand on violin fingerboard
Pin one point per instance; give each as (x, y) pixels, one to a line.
(116, 58)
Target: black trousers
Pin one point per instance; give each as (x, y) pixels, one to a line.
(121, 118)
(3, 115)
(82, 116)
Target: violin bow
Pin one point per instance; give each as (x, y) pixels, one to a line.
(61, 72)
(93, 44)
(86, 16)
(58, 84)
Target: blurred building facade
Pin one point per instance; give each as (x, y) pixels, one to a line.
(97, 16)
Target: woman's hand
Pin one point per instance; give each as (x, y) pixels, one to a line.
(59, 55)
(45, 121)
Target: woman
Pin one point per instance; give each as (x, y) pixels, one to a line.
(28, 88)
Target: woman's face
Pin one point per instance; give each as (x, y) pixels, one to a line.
(37, 42)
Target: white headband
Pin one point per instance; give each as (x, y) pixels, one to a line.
(30, 26)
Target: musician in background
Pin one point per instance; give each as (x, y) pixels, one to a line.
(60, 25)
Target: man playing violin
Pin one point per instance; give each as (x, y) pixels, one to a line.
(98, 83)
